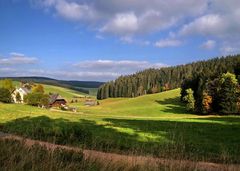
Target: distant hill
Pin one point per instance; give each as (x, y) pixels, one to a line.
(152, 81)
(88, 87)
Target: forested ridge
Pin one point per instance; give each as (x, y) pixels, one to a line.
(157, 80)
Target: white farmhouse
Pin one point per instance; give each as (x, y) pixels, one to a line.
(22, 92)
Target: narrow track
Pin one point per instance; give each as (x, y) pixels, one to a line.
(129, 160)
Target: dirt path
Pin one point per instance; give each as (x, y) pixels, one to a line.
(128, 159)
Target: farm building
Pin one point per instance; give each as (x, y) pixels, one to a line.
(21, 92)
(56, 100)
(90, 102)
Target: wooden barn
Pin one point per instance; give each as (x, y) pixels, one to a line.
(56, 100)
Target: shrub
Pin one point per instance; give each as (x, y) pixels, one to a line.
(37, 99)
(5, 95)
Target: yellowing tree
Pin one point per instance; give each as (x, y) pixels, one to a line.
(207, 103)
(38, 89)
(189, 99)
(7, 84)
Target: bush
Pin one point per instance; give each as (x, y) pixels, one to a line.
(5, 95)
(37, 99)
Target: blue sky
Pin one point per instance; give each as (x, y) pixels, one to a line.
(101, 40)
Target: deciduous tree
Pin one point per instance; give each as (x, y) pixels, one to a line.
(5, 95)
(189, 100)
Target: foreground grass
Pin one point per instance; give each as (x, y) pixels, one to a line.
(24, 154)
(155, 125)
(16, 155)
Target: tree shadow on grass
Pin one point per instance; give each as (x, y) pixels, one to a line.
(85, 133)
(188, 140)
(233, 120)
(217, 142)
(174, 105)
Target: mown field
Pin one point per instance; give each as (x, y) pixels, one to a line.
(156, 125)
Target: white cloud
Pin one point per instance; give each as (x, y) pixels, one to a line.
(7, 70)
(209, 44)
(131, 40)
(16, 54)
(105, 70)
(70, 10)
(209, 18)
(98, 36)
(121, 66)
(97, 70)
(74, 11)
(126, 17)
(229, 50)
(17, 59)
(124, 23)
(206, 25)
(220, 20)
(168, 43)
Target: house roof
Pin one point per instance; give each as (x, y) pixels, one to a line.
(54, 97)
(25, 90)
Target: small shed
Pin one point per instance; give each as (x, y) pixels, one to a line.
(90, 102)
(56, 100)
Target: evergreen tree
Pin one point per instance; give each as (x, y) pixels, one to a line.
(167, 78)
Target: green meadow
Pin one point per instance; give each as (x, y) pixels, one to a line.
(156, 125)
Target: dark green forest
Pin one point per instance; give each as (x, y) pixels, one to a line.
(157, 80)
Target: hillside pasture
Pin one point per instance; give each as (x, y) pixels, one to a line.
(66, 93)
(156, 125)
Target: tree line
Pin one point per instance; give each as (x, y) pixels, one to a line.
(216, 94)
(157, 80)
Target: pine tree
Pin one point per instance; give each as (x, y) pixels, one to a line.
(170, 78)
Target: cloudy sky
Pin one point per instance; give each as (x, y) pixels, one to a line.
(103, 39)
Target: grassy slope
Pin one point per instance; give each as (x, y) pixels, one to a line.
(155, 124)
(64, 92)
